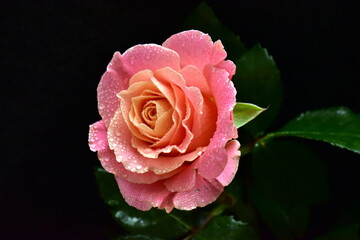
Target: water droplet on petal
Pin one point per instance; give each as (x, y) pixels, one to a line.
(101, 106)
(117, 132)
(119, 158)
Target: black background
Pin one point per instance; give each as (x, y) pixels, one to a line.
(54, 53)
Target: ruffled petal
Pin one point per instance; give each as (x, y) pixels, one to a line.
(98, 136)
(143, 196)
(228, 66)
(150, 56)
(108, 161)
(204, 125)
(193, 121)
(113, 81)
(212, 162)
(218, 53)
(214, 159)
(119, 138)
(232, 150)
(136, 89)
(195, 78)
(194, 48)
(183, 181)
(203, 193)
(168, 204)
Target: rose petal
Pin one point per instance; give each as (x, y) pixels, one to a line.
(126, 97)
(176, 139)
(224, 94)
(183, 181)
(98, 136)
(143, 196)
(218, 53)
(213, 161)
(203, 193)
(153, 151)
(194, 97)
(138, 112)
(232, 149)
(228, 66)
(109, 163)
(150, 56)
(178, 133)
(194, 47)
(195, 78)
(119, 138)
(204, 128)
(168, 204)
(113, 81)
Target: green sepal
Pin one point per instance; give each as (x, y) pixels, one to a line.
(245, 112)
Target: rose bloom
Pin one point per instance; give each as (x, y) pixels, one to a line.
(167, 130)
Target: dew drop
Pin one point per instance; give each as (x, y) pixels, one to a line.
(117, 132)
(101, 106)
(119, 158)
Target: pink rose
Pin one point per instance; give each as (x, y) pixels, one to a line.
(167, 126)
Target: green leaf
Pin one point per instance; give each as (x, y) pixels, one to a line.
(153, 224)
(204, 19)
(137, 237)
(285, 222)
(350, 232)
(225, 227)
(257, 80)
(337, 125)
(234, 195)
(289, 172)
(245, 112)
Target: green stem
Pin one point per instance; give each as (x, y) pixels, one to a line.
(267, 137)
(246, 149)
(180, 221)
(215, 212)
